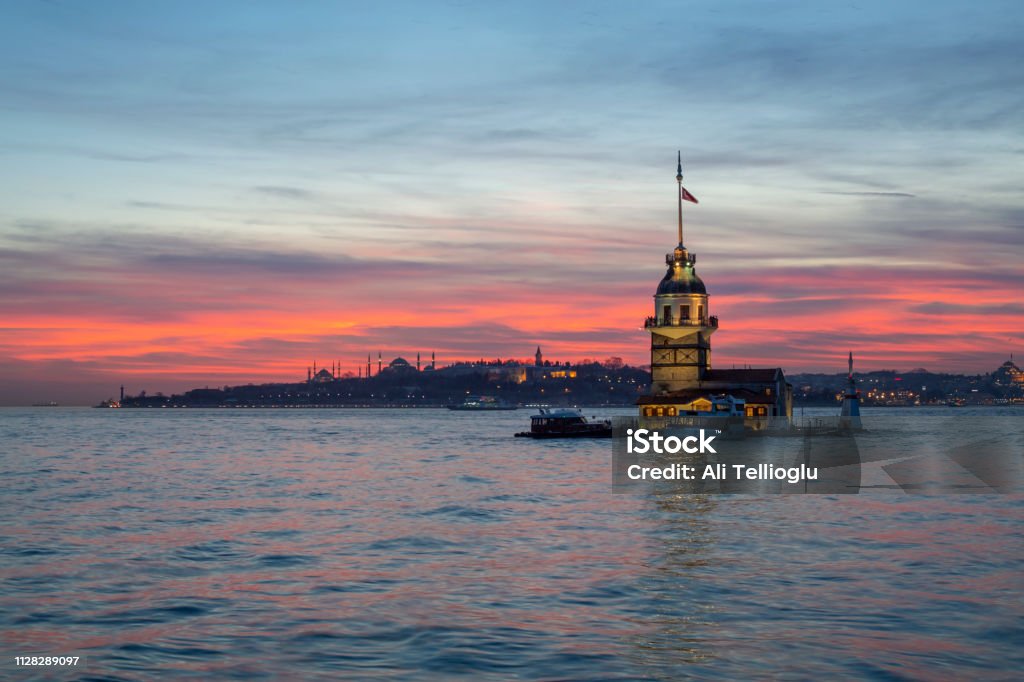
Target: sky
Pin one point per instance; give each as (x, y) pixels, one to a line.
(202, 194)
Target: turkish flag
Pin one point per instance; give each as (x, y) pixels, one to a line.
(686, 196)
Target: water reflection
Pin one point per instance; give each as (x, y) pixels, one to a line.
(680, 623)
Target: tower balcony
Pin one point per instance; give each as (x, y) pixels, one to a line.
(653, 322)
(681, 256)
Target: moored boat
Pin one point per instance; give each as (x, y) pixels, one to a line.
(482, 403)
(564, 423)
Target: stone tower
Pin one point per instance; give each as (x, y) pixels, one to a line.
(681, 326)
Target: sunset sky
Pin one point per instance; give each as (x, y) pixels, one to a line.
(217, 193)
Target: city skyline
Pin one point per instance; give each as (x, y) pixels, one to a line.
(202, 195)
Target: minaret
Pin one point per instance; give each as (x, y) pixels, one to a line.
(122, 393)
(309, 374)
(367, 365)
(417, 361)
(538, 358)
(849, 417)
(432, 360)
(681, 326)
(378, 362)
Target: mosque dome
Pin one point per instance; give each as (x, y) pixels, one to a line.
(399, 362)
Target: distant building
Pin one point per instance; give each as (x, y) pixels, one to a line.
(1008, 374)
(682, 379)
(497, 371)
(322, 377)
(400, 366)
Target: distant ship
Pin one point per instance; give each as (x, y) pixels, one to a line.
(46, 404)
(482, 403)
(565, 423)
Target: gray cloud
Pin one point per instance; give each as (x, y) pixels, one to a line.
(896, 195)
(284, 192)
(945, 308)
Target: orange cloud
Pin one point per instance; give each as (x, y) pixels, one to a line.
(163, 312)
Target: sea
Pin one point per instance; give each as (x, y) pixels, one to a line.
(373, 544)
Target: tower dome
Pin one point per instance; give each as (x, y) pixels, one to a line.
(681, 277)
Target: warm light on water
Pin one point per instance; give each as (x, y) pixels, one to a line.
(355, 544)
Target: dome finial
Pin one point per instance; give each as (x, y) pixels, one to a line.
(679, 193)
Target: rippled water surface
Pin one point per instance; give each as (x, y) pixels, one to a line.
(363, 544)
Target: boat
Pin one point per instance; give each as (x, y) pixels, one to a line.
(564, 423)
(46, 404)
(482, 403)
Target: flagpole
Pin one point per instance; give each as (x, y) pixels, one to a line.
(679, 194)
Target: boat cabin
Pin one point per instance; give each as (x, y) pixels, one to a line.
(548, 420)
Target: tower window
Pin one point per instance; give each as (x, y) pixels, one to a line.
(666, 313)
(684, 312)
(700, 313)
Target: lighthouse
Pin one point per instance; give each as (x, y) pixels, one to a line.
(681, 326)
(849, 417)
